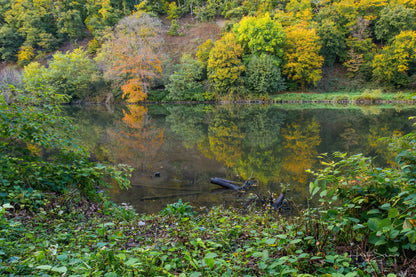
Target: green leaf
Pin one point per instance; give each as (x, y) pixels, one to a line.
(257, 254)
(374, 224)
(61, 269)
(295, 241)
(111, 274)
(394, 233)
(385, 206)
(62, 257)
(373, 211)
(313, 189)
(380, 242)
(209, 262)
(393, 249)
(270, 241)
(132, 261)
(44, 267)
(357, 226)
(393, 213)
(411, 236)
(211, 255)
(332, 213)
(385, 224)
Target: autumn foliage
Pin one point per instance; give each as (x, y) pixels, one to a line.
(224, 64)
(138, 137)
(302, 61)
(129, 57)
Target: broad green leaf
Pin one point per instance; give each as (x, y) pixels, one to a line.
(45, 267)
(385, 224)
(412, 236)
(270, 241)
(374, 224)
(393, 213)
(62, 257)
(211, 255)
(132, 261)
(373, 211)
(295, 241)
(380, 242)
(385, 206)
(61, 269)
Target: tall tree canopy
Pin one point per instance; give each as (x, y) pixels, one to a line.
(129, 57)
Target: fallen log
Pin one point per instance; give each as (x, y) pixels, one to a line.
(278, 204)
(224, 183)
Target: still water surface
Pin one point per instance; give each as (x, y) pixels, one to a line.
(189, 144)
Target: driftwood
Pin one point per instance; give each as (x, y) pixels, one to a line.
(225, 183)
(279, 201)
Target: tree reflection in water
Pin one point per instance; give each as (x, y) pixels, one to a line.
(189, 144)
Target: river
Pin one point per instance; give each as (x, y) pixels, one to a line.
(176, 149)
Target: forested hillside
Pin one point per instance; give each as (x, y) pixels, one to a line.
(263, 46)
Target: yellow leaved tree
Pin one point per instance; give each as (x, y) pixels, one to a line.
(224, 64)
(301, 59)
(394, 64)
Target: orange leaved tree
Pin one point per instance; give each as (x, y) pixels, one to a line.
(129, 56)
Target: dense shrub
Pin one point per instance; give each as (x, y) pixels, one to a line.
(38, 150)
(72, 73)
(185, 83)
(263, 75)
(366, 204)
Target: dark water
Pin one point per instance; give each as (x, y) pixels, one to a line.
(189, 144)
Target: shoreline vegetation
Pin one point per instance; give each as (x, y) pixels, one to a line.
(368, 97)
(55, 221)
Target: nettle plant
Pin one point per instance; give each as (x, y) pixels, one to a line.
(38, 151)
(363, 203)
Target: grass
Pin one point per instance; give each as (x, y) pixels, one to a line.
(366, 95)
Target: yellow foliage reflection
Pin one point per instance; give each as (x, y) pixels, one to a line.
(300, 149)
(225, 143)
(139, 143)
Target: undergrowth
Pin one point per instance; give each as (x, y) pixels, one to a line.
(71, 236)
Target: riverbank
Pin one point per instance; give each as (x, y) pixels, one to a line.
(80, 238)
(366, 97)
(71, 236)
(372, 233)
